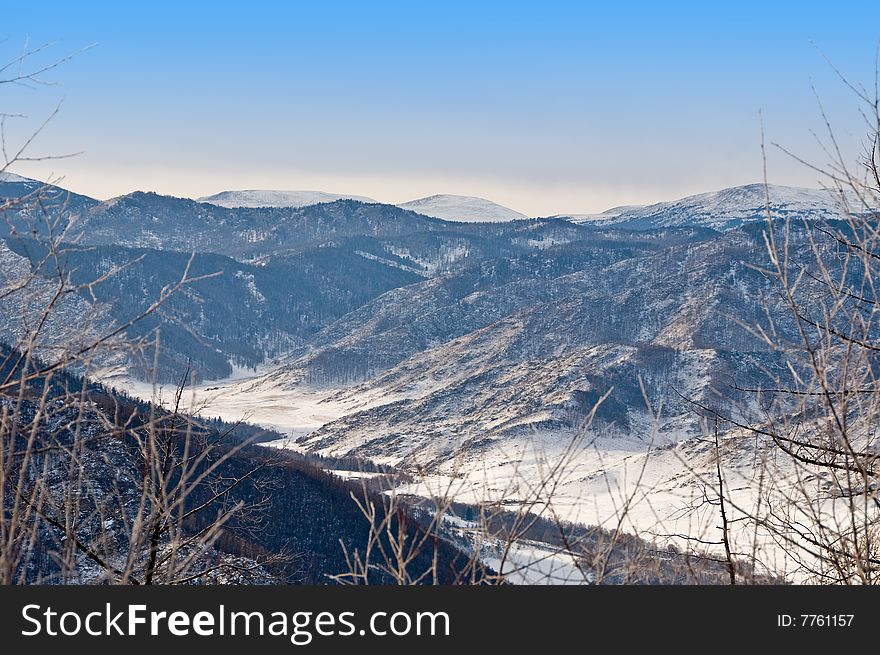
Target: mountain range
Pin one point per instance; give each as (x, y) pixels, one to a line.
(448, 207)
(346, 288)
(383, 332)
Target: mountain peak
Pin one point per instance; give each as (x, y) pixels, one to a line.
(467, 209)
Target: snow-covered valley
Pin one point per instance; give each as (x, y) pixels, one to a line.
(651, 481)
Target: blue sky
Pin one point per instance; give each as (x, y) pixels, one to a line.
(546, 107)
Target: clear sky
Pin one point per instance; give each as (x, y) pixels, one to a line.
(547, 107)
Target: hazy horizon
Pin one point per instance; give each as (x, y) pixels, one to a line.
(61, 182)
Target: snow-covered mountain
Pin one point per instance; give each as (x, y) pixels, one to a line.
(467, 209)
(269, 198)
(726, 209)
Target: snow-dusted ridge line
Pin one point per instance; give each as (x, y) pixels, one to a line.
(271, 198)
(726, 209)
(722, 210)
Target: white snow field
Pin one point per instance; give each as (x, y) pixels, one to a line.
(632, 483)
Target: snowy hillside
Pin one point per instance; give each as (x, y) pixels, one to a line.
(268, 198)
(467, 209)
(725, 209)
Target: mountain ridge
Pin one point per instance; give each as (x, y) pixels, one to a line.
(727, 208)
(276, 198)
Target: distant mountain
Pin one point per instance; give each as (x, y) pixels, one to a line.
(462, 208)
(604, 216)
(726, 209)
(268, 198)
